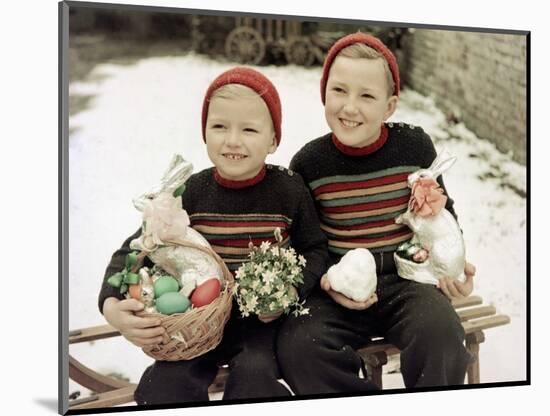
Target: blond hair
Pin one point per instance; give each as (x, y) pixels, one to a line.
(362, 51)
(234, 91)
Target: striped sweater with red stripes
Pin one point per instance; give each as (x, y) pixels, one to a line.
(358, 194)
(230, 218)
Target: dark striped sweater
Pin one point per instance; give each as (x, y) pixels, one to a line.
(231, 218)
(359, 197)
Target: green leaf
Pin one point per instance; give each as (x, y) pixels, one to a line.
(179, 191)
(131, 260)
(116, 279)
(131, 279)
(123, 288)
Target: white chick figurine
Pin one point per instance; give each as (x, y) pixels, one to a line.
(355, 275)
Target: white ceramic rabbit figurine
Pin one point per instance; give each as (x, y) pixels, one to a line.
(438, 233)
(191, 266)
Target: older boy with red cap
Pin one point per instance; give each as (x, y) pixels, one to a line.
(239, 200)
(358, 177)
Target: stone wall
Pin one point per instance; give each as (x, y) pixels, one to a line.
(477, 78)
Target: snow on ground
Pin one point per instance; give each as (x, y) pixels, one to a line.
(141, 114)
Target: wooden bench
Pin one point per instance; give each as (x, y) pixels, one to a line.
(108, 391)
(475, 318)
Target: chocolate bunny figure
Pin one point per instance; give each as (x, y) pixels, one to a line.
(437, 232)
(165, 224)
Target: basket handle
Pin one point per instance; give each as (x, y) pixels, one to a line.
(227, 275)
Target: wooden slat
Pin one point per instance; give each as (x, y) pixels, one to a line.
(465, 302)
(108, 399)
(92, 333)
(269, 30)
(485, 323)
(91, 379)
(112, 392)
(219, 382)
(374, 348)
(477, 312)
(278, 29)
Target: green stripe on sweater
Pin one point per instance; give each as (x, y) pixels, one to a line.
(363, 177)
(365, 199)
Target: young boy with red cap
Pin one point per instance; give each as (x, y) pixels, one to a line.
(358, 177)
(240, 199)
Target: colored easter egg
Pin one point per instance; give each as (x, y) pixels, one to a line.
(206, 293)
(165, 284)
(172, 302)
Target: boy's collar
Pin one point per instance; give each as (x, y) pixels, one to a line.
(228, 183)
(365, 150)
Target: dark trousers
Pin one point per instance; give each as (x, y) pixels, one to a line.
(247, 346)
(316, 352)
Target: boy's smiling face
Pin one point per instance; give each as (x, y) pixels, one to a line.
(239, 136)
(357, 101)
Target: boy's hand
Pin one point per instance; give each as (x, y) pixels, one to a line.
(344, 300)
(454, 289)
(269, 317)
(138, 330)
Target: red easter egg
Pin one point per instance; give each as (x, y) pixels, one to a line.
(206, 293)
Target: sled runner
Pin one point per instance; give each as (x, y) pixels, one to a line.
(108, 391)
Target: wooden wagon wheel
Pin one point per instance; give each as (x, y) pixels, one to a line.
(299, 51)
(245, 45)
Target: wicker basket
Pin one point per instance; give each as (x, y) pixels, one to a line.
(197, 330)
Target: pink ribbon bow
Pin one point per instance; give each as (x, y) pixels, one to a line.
(165, 220)
(426, 197)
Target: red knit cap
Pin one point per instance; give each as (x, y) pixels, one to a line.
(368, 40)
(252, 79)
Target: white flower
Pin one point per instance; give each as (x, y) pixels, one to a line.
(289, 256)
(268, 276)
(239, 274)
(258, 269)
(301, 260)
(280, 294)
(265, 246)
(252, 302)
(285, 302)
(266, 289)
(275, 251)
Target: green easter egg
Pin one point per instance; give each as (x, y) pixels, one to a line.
(404, 247)
(172, 302)
(165, 284)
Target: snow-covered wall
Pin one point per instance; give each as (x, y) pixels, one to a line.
(478, 78)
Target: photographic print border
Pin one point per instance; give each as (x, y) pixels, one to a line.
(64, 196)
